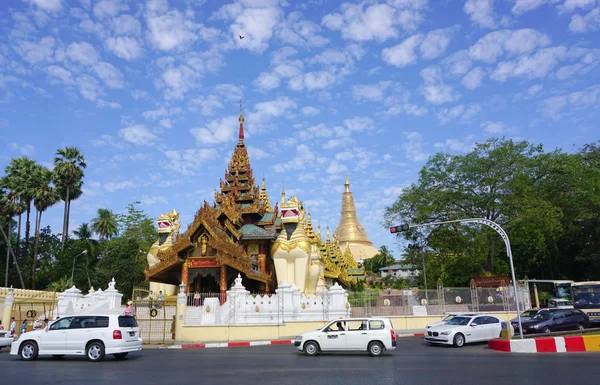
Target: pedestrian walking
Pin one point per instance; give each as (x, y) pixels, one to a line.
(13, 327)
(24, 326)
(37, 324)
(161, 299)
(197, 299)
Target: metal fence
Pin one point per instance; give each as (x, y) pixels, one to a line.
(443, 300)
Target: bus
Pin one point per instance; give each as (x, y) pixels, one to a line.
(542, 290)
(586, 296)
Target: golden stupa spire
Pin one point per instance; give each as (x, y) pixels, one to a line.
(349, 232)
(264, 196)
(282, 194)
(319, 231)
(241, 119)
(328, 234)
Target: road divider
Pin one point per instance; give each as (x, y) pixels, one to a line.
(566, 344)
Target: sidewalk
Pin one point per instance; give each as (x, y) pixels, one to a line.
(235, 344)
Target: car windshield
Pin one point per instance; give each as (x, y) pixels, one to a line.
(462, 321)
(448, 317)
(529, 313)
(587, 296)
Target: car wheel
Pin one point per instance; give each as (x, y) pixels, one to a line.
(29, 351)
(580, 327)
(547, 330)
(375, 349)
(311, 348)
(459, 340)
(120, 356)
(95, 351)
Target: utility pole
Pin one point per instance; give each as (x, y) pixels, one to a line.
(405, 227)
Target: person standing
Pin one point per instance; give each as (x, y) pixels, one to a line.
(197, 299)
(161, 299)
(13, 327)
(24, 326)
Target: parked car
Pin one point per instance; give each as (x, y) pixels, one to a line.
(372, 335)
(448, 318)
(560, 303)
(5, 339)
(553, 320)
(525, 316)
(462, 330)
(91, 335)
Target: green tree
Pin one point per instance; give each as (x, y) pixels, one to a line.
(45, 196)
(382, 259)
(105, 224)
(69, 165)
(84, 234)
(9, 207)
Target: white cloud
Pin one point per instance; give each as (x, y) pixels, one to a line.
(207, 104)
(126, 25)
(310, 111)
(189, 162)
(473, 79)
(534, 66)
(60, 73)
(255, 20)
(580, 100)
(83, 53)
(26, 149)
(89, 87)
(589, 22)
(434, 89)
(436, 42)
(495, 44)
(48, 5)
(375, 22)
(301, 32)
(359, 124)
(413, 147)
(216, 131)
(263, 112)
(572, 5)
(105, 104)
(111, 76)
(139, 135)
(267, 81)
(407, 109)
(304, 157)
(171, 31)
(523, 6)
(257, 153)
(494, 128)
(336, 167)
(481, 12)
(116, 186)
(124, 47)
(455, 145)
(464, 113)
(458, 63)
(36, 52)
(339, 142)
(402, 54)
(108, 8)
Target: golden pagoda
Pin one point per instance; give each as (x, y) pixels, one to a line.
(349, 232)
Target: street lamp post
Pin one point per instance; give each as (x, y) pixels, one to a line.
(498, 229)
(73, 269)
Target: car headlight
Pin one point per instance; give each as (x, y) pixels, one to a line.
(536, 326)
(298, 338)
(428, 326)
(445, 333)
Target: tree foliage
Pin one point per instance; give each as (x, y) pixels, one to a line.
(548, 203)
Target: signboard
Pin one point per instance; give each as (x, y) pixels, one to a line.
(203, 263)
(490, 281)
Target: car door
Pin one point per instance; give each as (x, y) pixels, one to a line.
(559, 321)
(79, 333)
(334, 337)
(55, 339)
(358, 336)
(477, 330)
(493, 327)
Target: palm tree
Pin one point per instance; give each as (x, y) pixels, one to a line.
(105, 224)
(44, 196)
(20, 180)
(8, 209)
(68, 170)
(84, 233)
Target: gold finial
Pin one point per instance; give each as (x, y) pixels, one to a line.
(328, 235)
(263, 182)
(241, 114)
(308, 217)
(347, 184)
(319, 230)
(282, 194)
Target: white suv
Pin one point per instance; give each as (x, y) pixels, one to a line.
(373, 335)
(90, 335)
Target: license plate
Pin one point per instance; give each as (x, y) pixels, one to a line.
(132, 334)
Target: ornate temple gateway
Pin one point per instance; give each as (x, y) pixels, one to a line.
(241, 233)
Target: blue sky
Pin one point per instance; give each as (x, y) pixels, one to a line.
(150, 91)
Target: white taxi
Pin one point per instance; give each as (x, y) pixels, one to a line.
(462, 330)
(372, 335)
(91, 335)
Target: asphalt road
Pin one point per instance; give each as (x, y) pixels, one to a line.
(413, 362)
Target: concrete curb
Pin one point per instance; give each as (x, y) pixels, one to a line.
(238, 344)
(567, 344)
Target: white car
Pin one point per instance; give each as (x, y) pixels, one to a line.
(372, 335)
(462, 330)
(91, 335)
(5, 339)
(448, 318)
(557, 303)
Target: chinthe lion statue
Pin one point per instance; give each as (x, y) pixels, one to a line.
(168, 229)
(291, 250)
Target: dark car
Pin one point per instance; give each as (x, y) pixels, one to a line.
(554, 320)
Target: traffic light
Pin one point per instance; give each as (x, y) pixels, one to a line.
(399, 229)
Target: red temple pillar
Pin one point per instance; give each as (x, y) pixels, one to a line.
(184, 276)
(223, 284)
